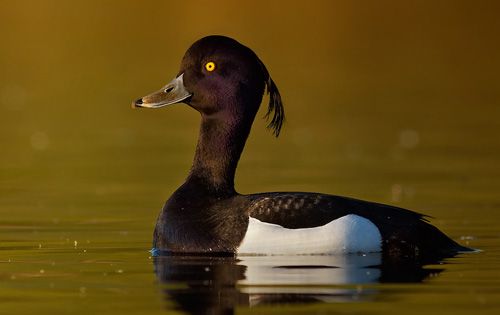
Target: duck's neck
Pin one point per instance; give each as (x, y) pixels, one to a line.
(220, 144)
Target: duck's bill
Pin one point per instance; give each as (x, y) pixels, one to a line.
(172, 93)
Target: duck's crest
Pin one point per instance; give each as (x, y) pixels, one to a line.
(275, 104)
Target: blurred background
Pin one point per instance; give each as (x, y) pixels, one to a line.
(386, 100)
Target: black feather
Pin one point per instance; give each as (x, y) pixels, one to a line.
(275, 104)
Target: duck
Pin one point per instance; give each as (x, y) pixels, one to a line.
(225, 81)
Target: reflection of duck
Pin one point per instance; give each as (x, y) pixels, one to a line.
(225, 81)
(211, 283)
(217, 285)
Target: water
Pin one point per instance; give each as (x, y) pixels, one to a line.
(395, 103)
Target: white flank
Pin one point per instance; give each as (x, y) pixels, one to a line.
(348, 234)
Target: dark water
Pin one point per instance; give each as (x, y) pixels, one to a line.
(395, 102)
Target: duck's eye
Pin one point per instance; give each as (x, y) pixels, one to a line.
(210, 66)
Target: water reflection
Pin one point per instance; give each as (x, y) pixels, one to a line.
(217, 285)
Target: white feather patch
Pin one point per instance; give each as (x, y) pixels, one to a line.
(348, 234)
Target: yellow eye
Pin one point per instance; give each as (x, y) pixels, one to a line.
(210, 66)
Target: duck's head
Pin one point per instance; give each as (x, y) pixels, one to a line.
(219, 76)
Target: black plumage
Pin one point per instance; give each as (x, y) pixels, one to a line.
(207, 216)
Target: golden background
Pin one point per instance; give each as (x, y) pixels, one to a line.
(391, 101)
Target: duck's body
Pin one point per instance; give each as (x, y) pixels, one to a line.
(279, 223)
(225, 81)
